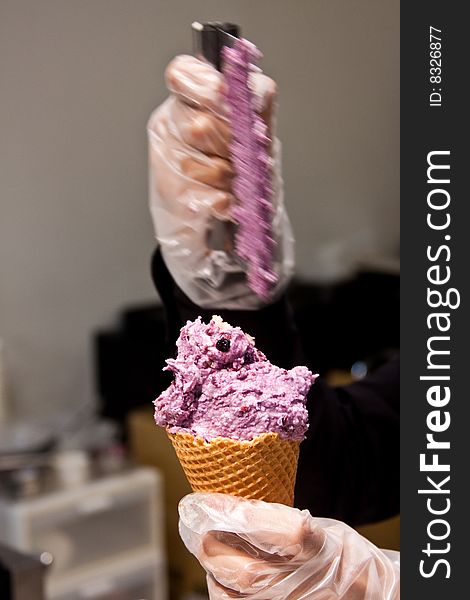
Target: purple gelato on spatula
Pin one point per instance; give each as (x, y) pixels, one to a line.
(249, 150)
(225, 387)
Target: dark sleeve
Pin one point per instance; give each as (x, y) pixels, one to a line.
(349, 461)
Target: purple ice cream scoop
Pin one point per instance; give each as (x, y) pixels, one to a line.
(224, 387)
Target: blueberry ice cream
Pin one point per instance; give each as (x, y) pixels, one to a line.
(224, 386)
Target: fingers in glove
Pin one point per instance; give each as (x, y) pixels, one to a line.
(212, 171)
(272, 528)
(198, 83)
(220, 592)
(237, 567)
(184, 197)
(208, 134)
(229, 565)
(201, 130)
(265, 95)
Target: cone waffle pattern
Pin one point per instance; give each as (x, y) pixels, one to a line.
(263, 468)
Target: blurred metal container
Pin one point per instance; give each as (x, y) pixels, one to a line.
(110, 525)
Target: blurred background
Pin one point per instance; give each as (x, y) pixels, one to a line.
(81, 327)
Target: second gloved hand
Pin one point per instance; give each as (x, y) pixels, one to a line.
(262, 551)
(191, 195)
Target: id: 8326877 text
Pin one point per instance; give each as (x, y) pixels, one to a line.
(435, 66)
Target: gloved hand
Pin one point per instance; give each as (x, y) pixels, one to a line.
(191, 187)
(257, 550)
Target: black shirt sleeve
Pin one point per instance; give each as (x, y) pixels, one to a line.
(349, 461)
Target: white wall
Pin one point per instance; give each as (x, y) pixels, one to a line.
(77, 82)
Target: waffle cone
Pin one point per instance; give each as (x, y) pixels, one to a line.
(263, 468)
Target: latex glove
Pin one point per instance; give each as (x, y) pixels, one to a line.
(253, 549)
(190, 187)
